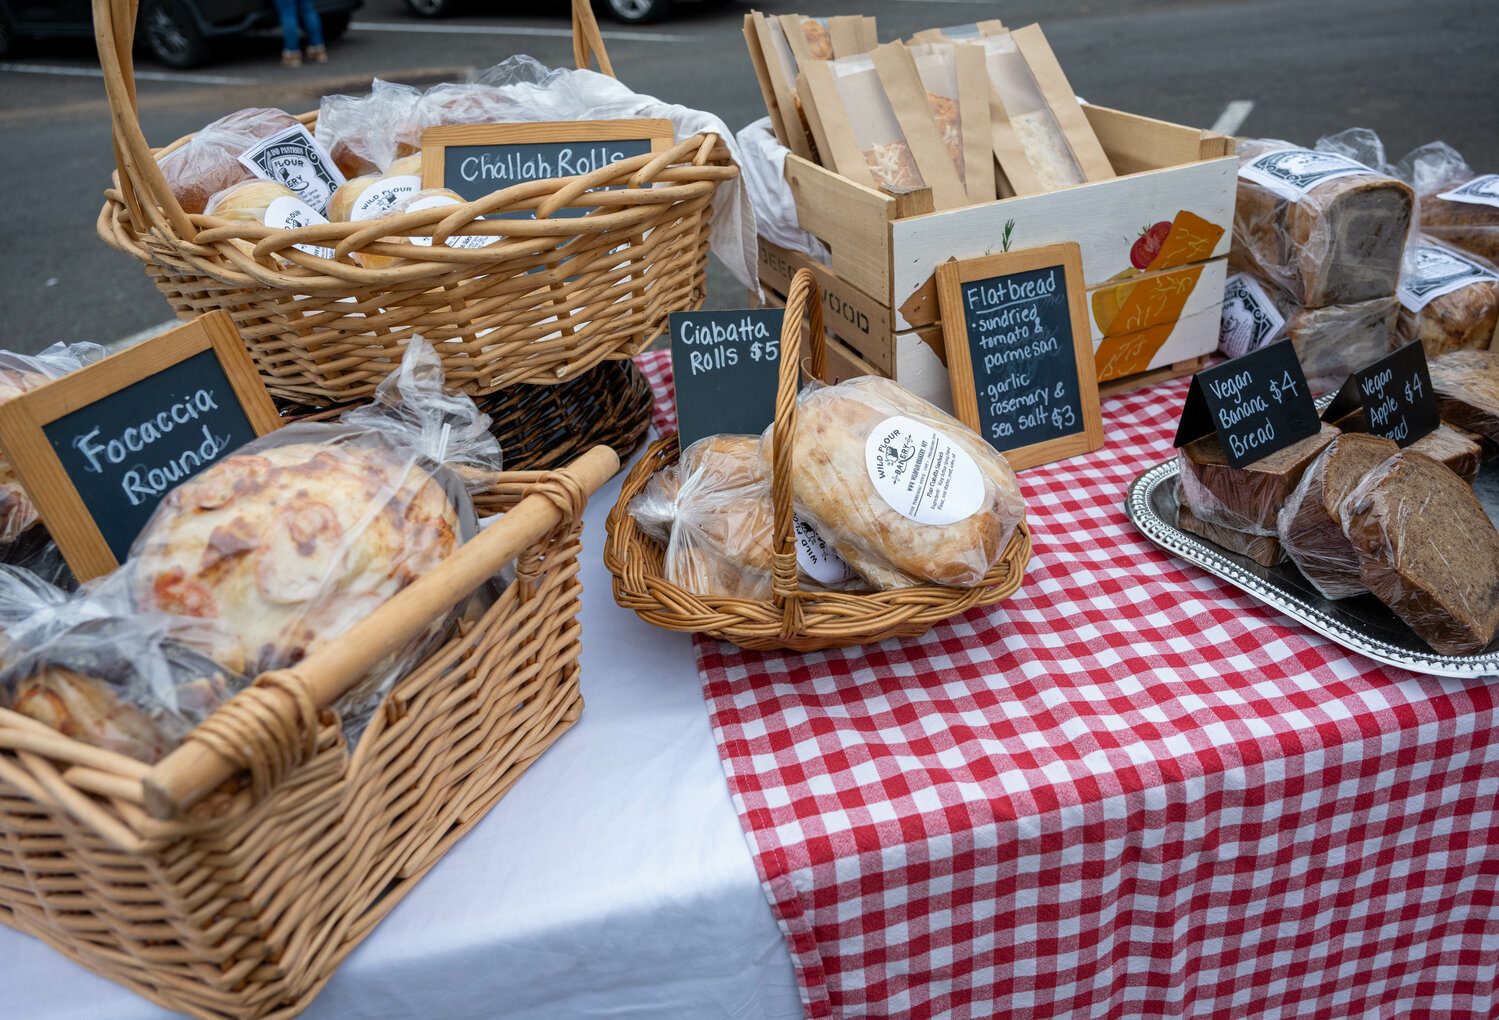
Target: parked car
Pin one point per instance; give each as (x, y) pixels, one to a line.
(635, 12)
(179, 33)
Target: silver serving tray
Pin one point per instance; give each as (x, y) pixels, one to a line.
(1362, 624)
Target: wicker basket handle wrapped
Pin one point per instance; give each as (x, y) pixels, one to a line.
(269, 727)
(140, 176)
(803, 299)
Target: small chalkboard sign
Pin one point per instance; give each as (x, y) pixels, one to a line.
(726, 366)
(97, 449)
(477, 159)
(1395, 395)
(1258, 403)
(1019, 353)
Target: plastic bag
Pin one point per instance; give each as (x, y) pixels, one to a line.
(1467, 388)
(1427, 550)
(1265, 550)
(1310, 524)
(208, 162)
(366, 134)
(1458, 206)
(20, 373)
(1449, 299)
(1246, 498)
(96, 670)
(302, 533)
(1320, 225)
(905, 493)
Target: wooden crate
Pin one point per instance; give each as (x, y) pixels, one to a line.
(879, 301)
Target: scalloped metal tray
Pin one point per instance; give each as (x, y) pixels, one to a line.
(1361, 624)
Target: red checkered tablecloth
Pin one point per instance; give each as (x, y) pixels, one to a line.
(1127, 791)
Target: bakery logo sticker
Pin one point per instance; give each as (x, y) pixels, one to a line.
(816, 558)
(1479, 191)
(1293, 172)
(922, 474)
(1250, 318)
(294, 159)
(1436, 271)
(462, 241)
(287, 213)
(381, 197)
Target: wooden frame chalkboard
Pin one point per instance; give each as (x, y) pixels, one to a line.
(1051, 394)
(651, 134)
(201, 353)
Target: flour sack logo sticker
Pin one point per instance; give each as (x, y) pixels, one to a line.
(461, 241)
(292, 158)
(379, 198)
(817, 559)
(1437, 271)
(1250, 318)
(1479, 191)
(287, 213)
(922, 474)
(1294, 172)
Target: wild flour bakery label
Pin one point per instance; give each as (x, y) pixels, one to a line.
(287, 213)
(922, 474)
(1436, 271)
(817, 559)
(1479, 191)
(379, 198)
(1293, 172)
(294, 159)
(1250, 318)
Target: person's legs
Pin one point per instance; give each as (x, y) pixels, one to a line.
(311, 22)
(291, 34)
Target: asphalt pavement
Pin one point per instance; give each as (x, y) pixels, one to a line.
(1295, 69)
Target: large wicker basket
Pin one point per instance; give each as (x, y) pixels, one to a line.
(793, 619)
(555, 296)
(245, 905)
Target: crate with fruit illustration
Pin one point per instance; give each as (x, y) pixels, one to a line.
(1154, 245)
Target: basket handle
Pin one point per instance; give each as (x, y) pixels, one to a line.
(803, 299)
(276, 714)
(588, 41)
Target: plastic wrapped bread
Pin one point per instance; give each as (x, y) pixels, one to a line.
(902, 491)
(208, 162)
(1324, 228)
(1467, 388)
(1458, 206)
(366, 134)
(1266, 550)
(1449, 299)
(1246, 498)
(374, 195)
(1427, 550)
(1310, 524)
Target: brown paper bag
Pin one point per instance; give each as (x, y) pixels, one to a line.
(939, 165)
(957, 91)
(1022, 113)
(959, 33)
(763, 77)
(1063, 103)
(852, 34)
(780, 67)
(854, 124)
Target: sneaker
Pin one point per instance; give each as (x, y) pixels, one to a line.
(317, 54)
(291, 58)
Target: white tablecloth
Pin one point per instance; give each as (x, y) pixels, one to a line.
(612, 880)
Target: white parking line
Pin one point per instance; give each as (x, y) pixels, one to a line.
(94, 72)
(1233, 116)
(558, 33)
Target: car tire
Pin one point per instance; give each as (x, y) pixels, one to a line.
(432, 8)
(334, 25)
(171, 34)
(638, 12)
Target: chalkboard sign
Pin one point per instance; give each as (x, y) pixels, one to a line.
(1394, 394)
(477, 159)
(1019, 353)
(97, 449)
(725, 366)
(1257, 403)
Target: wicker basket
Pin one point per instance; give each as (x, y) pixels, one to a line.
(545, 427)
(798, 620)
(245, 905)
(555, 296)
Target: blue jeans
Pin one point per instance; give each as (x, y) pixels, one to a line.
(289, 11)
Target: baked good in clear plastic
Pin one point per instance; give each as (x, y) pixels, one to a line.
(1266, 550)
(365, 134)
(1458, 449)
(1247, 498)
(904, 492)
(1438, 571)
(208, 162)
(1338, 243)
(1310, 524)
(375, 195)
(1467, 388)
(1464, 318)
(1466, 216)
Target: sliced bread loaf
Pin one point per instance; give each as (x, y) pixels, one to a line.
(1310, 526)
(1247, 498)
(1467, 389)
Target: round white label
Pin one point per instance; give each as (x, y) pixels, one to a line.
(378, 198)
(462, 241)
(817, 559)
(921, 473)
(288, 213)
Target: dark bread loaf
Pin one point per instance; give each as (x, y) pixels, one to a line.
(1334, 342)
(1339, 243)
(1427, 550)
(1467, 389)
(1247, 498)
(1310, 526)
(1471, 226)
(1463, 307)
(1263, 549)
(1459, 450)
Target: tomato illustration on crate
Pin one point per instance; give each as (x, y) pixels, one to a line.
(1148, 244)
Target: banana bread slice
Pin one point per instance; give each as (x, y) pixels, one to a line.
(1310, 527)
(1250, 497)
(1265, 550)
